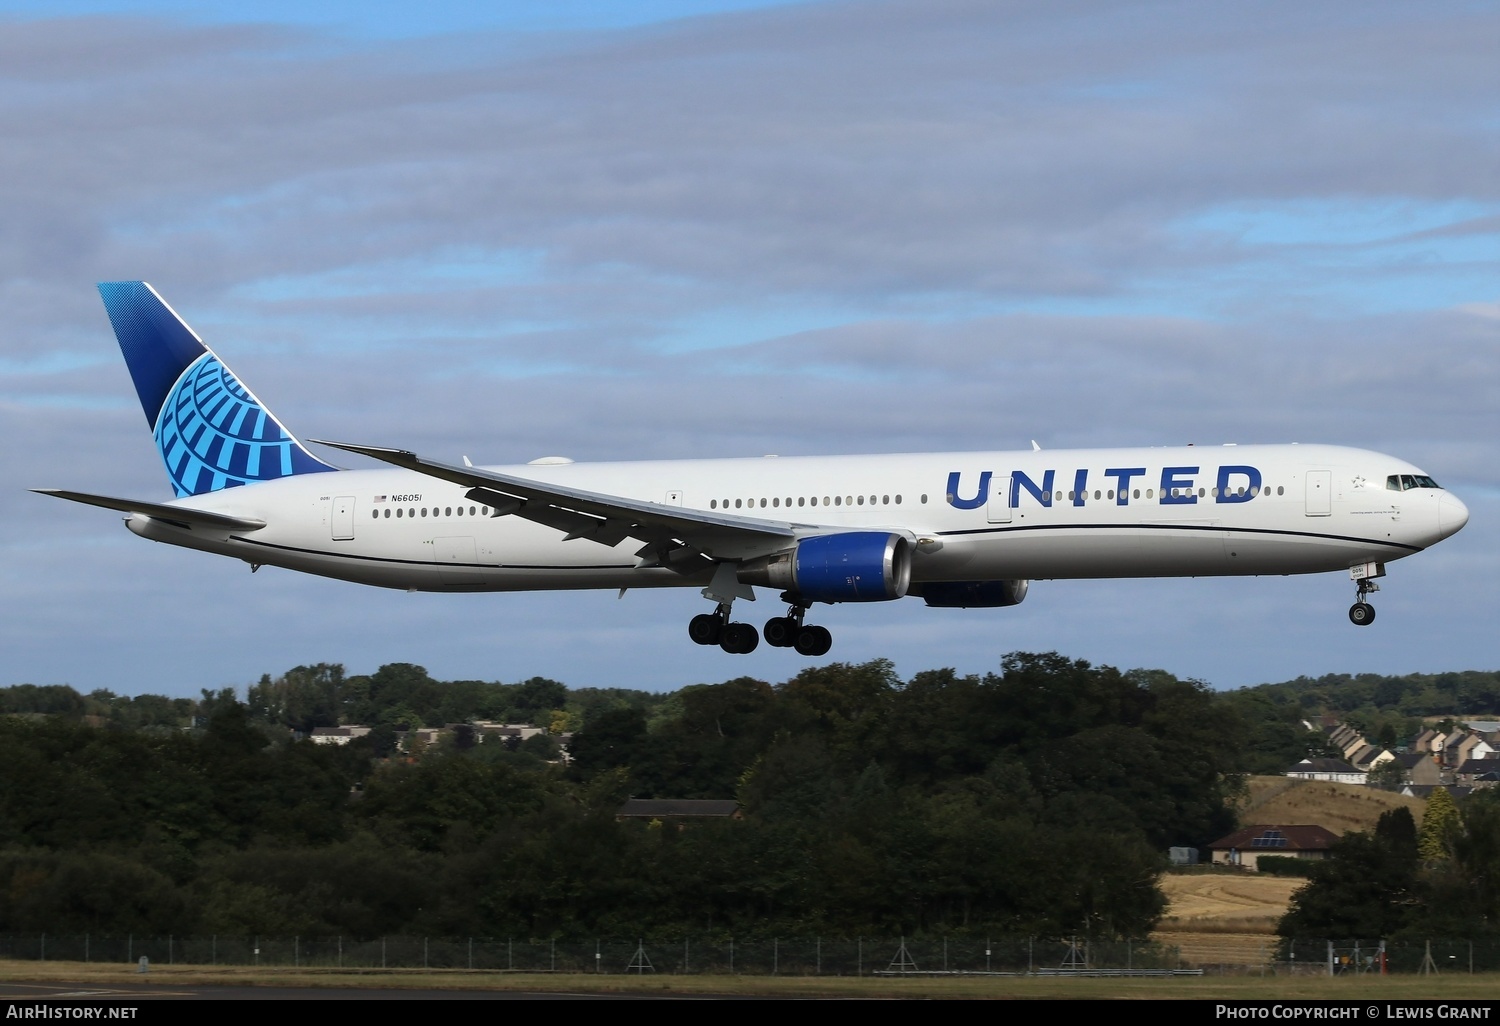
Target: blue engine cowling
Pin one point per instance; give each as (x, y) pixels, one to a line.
(861, 566)
(974, 594)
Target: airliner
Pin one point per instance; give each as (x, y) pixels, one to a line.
(963, 529)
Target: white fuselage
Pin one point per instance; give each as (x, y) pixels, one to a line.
(978, 516)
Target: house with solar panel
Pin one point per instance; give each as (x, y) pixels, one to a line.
(1245, 846)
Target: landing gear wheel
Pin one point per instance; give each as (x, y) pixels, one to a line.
(1361, 614)
(739, 638)
(706, 628)
(780, 632)
(814, 641)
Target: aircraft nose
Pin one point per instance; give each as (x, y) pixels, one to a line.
(1452, 514)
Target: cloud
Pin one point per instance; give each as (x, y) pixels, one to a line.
(823, 227)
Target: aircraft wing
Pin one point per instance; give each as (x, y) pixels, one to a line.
(181, 516)
(607, 519)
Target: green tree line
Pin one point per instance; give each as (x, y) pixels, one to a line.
(1037, 799)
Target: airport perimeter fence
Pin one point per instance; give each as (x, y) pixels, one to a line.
(816, 956)
(1445, 956)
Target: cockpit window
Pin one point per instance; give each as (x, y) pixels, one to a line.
(1406, 482)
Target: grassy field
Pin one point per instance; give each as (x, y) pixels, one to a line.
(1339, 807)
(1218, 919)
(1364, 989)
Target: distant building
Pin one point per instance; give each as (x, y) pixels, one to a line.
(1336, 770)
(1244, 847)
(679, 808)
(337, 735)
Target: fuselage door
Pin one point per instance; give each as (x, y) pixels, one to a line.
(1319, 493)
(997, 509)
(343, 518)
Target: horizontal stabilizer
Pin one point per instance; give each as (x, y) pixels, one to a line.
(180, 515)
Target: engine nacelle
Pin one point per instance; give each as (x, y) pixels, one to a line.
(974, 594)
(861, 566)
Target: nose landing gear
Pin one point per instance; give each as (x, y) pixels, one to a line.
(1362, 614)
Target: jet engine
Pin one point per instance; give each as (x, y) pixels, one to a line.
(861, 566)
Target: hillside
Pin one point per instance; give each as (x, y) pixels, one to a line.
(1339, 807)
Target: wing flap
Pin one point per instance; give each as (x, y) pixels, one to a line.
(181, 516)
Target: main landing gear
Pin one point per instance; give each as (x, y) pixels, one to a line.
(741, 638)
(1362, 614)
(716, 629)
(790, 632)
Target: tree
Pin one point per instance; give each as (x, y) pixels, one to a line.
(1439, 826)
(1388, 776)
(1367, 889)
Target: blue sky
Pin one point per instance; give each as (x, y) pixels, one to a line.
(682, 229)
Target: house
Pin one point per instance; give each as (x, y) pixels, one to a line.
(337, 735)
(1327, 769)
(1474, 771)
(1245, 846)
(1420, 768)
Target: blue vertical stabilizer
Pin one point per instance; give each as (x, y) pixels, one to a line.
(211, 430)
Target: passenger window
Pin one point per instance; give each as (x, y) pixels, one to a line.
(398, 513)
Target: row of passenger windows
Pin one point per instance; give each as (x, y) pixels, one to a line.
(446, 511)
(836, 500)
(810, 500)
(887, 500)
(1177, 493)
